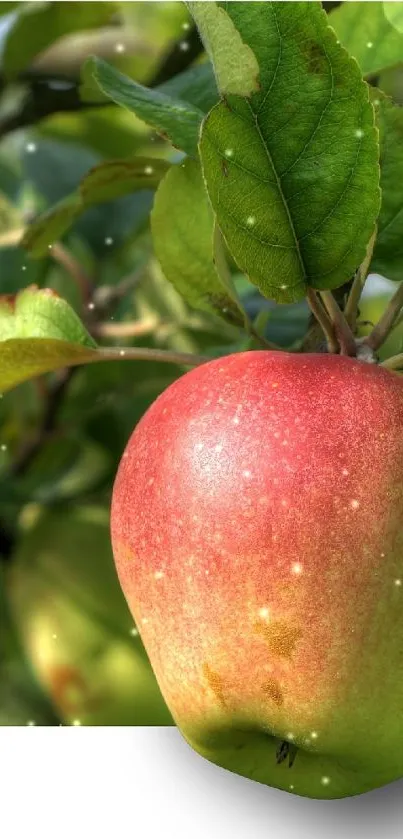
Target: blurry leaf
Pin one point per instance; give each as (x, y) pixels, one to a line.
(182, 226)
(109, 131)
(285, 325)
(365, 30)
(175, 119)
(160, 21)
(294, 179)
(235, 65)
(17, 271)
(120, 177)
(10, 176)
(6, 7)
(388, 252)
(56, 168)
(66, 467)
(75, 624)
(394, 14)
(51, 225)
(103, 183)
(10, 217)
(40, 24)
(39, 332)
(196, 85)
(21, 700)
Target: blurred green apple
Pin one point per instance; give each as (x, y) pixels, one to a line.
(74, 623)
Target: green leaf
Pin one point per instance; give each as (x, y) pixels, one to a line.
(366, 31)
(175, 119)
(106, 182)
(48, 174)
(41, 313)
(196, 85)
(394, 14)
(51, 225)
(25, 358)
(388, 252)
(39, 332)
(292, 173)
(40, 24)
(121, 177)
(182, 225)
(235, 64)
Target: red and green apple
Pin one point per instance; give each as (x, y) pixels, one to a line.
(257, 532)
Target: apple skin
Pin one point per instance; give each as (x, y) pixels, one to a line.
(257, 533)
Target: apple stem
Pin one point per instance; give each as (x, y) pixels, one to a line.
(342, 330)
(387, 322)
(351, 307)
(323, 319)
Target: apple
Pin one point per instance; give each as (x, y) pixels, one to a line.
(74, 624)
(257, 533)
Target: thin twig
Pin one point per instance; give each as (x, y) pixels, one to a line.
(47, 426)
(343, 332)
(126, 329)
(323, 319)
(387, 322)
(351, 307)
(105, 296)
(65, 258)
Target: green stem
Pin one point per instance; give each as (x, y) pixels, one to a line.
(387, 322)
(343, 332)
(351, 308)
(323, 319)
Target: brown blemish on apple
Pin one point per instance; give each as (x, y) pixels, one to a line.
(272, 689)
(215, 683)
(280, 636)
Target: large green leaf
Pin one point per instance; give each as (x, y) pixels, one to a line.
(103, 183)
(40, 24)
(235, 64)
(292, 172)
(175, 119)
(182, 225)
(388, 251)
(369, 35)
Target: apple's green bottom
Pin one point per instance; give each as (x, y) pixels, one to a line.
(254, 754)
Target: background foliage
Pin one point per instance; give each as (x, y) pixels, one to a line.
(85, 170)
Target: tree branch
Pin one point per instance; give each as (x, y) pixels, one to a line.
(74, 268)
(125, 329)
(53, 401)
